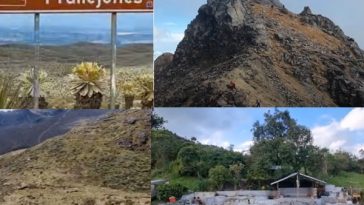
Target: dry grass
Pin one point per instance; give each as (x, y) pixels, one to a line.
(296, 25)
(86, 163)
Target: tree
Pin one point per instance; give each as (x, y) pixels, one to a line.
(188, 159)
(218, 176)
(280, 141)
(285, 140)
(157, 121)
(231, 147)
(236, 171)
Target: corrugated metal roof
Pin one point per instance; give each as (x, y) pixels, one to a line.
(299, 174)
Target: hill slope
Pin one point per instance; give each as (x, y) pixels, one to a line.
(102, 162)
(271, 54)
(26, 128)
(187, 162)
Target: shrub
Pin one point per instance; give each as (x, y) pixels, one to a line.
(9, 93)
(89, 201)
(203, 185)
(167, 190)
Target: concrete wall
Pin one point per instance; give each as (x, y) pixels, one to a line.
(303, 192)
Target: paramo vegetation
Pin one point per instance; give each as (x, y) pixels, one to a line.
(86, 86)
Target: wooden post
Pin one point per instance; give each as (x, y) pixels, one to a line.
(297, 186)
(36, 89)
(113, 59)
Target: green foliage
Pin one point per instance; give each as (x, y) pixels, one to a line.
(236, 173)
(157, 121)
(175, 158)
(203, 185)
(218, 176)
(348, 179)
(188, 159)
(281, 142)
(341, 161)
(167, 190)
(165, 147)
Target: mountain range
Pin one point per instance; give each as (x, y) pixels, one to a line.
(258, 53)
(25, 128)
(64, 36)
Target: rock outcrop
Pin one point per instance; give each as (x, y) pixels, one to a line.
(272, 55)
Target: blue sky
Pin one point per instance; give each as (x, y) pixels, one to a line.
(333, 128)
(173, 16)
(126, 21)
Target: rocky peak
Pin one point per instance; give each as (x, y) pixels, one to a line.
(306, 11)
(252, 42)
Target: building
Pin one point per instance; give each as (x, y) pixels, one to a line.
(298, 185)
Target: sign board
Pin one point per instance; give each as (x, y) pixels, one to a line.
(76, 6)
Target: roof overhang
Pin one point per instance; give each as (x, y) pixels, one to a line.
(299, 175)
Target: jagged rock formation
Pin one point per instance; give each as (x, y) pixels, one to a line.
(271, 55)
(86, 165)
(163, 61)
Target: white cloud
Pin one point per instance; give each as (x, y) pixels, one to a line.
(354, 120)
(5, 110)
(165, 36)
(217, 138)
(343, 134)
(244, 147)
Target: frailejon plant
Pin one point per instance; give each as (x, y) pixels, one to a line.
(27, 88)
(145, 85)
(9, 93)
(127, 87)
(136, 84)
(129, 90)
(89, 83)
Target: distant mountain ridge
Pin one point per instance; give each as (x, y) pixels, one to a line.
(63, 36)
(25, 128)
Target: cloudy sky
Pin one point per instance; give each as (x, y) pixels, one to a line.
(126, 21)
(333, 128)
(173, 16)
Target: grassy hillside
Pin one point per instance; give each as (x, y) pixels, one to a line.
(104, 162)
(166, 163)
(348, 179)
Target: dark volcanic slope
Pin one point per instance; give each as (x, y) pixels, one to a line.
(270, 54)
(26, 128)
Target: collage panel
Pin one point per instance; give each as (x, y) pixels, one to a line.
(194, 102)
(73, 61)
(75, 157)
(252, 53)
(270, 156)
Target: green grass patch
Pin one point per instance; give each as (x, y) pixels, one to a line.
(347, 179)
(190, 182)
